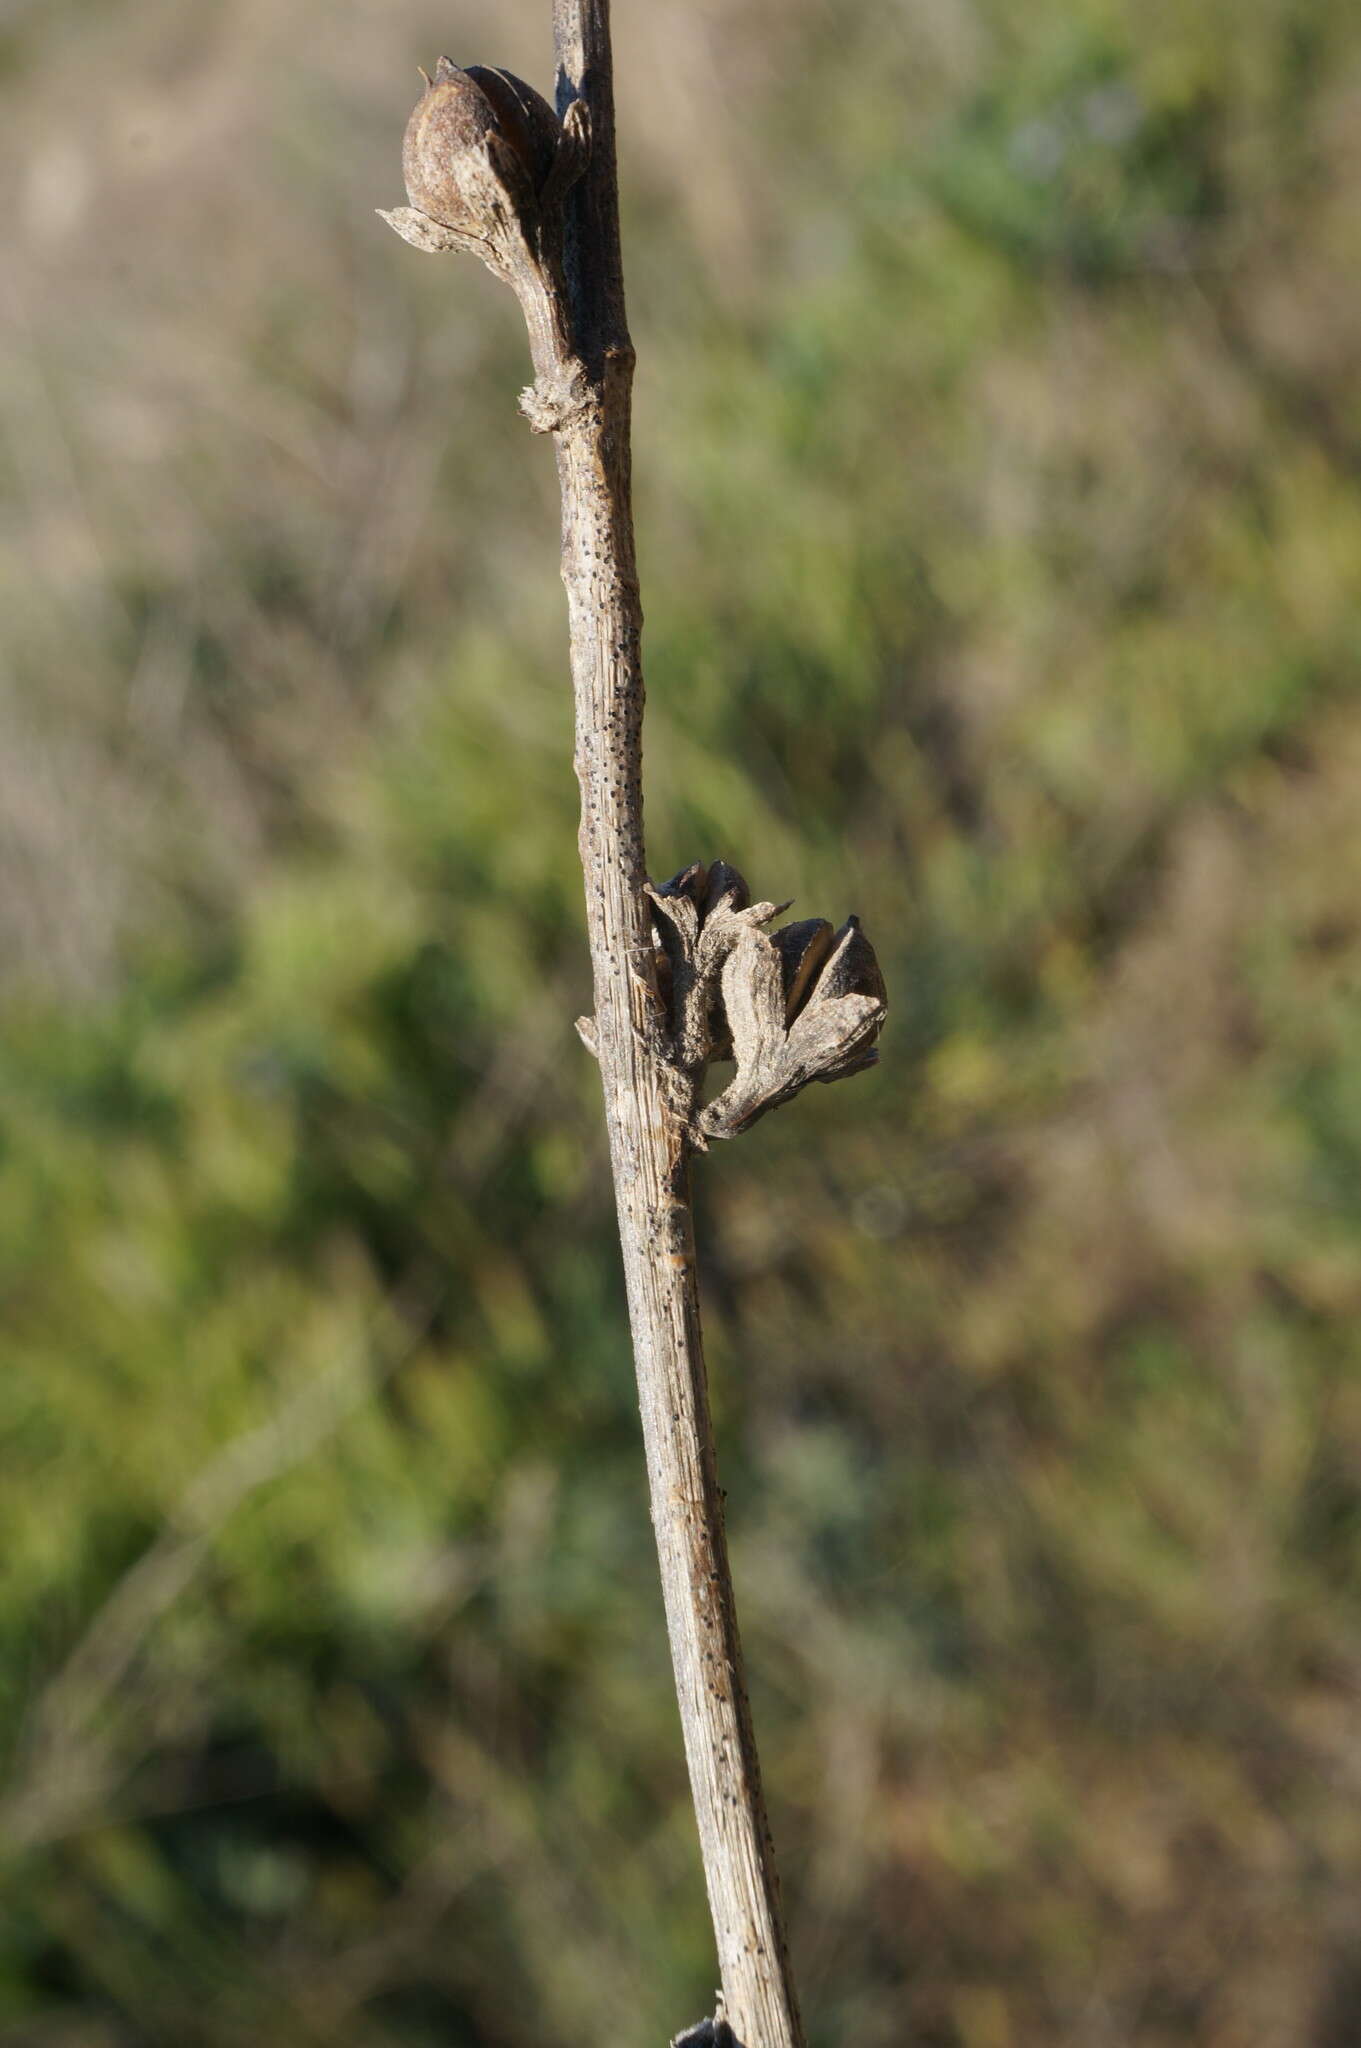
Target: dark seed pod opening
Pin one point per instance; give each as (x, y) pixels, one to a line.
(803, 949)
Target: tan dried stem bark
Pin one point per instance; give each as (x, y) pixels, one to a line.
(646, 1114)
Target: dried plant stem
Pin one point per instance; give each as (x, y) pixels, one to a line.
(646, 1117)
(683, 974)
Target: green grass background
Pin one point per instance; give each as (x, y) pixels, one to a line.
(997, 450)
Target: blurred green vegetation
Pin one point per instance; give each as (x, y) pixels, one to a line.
(998, 447)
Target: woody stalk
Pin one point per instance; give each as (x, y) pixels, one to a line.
(686, 975)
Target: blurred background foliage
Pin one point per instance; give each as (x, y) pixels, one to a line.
(998, 444)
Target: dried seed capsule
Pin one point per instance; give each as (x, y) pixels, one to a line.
(463, 121)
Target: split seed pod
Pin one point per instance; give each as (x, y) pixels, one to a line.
(804, 1004)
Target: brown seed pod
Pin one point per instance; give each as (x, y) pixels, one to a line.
(463, 120)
